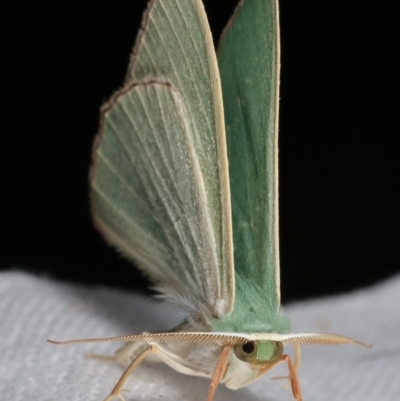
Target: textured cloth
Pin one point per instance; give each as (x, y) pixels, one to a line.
(33, 309)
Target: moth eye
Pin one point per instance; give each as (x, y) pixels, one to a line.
(248, 348)
(246, 352)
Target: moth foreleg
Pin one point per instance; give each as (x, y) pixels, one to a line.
(117, 390)
(296, 363)
(293, 379)
(219, 371)
(124, 355)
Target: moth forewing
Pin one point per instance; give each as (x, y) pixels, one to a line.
(160, 187)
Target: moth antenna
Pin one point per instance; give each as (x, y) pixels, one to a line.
(87, 340)
(321, 339)
(180, 337)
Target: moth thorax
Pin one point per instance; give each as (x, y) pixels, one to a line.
(263, 351)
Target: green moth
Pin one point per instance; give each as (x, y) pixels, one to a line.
(163, 193)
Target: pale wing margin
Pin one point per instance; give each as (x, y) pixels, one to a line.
(148, 195)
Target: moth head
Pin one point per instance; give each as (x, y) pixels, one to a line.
(248, 361)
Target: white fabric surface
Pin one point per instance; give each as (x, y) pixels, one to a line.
(33, 309)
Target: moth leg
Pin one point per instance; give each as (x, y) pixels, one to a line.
(116, 392)
(219, 371)
(293, 379)
(296, 363)
(297, 357)
(123, 355)
(297, 360)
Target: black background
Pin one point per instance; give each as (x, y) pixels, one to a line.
(339, 157)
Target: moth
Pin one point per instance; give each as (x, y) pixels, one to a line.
(163, 193)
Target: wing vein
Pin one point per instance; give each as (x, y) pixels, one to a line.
(192, 229)
(193, 82)
(170, 213)
(192, 39)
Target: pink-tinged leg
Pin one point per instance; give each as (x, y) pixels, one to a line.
(294, 381)
(219, 371)
(117, 390)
